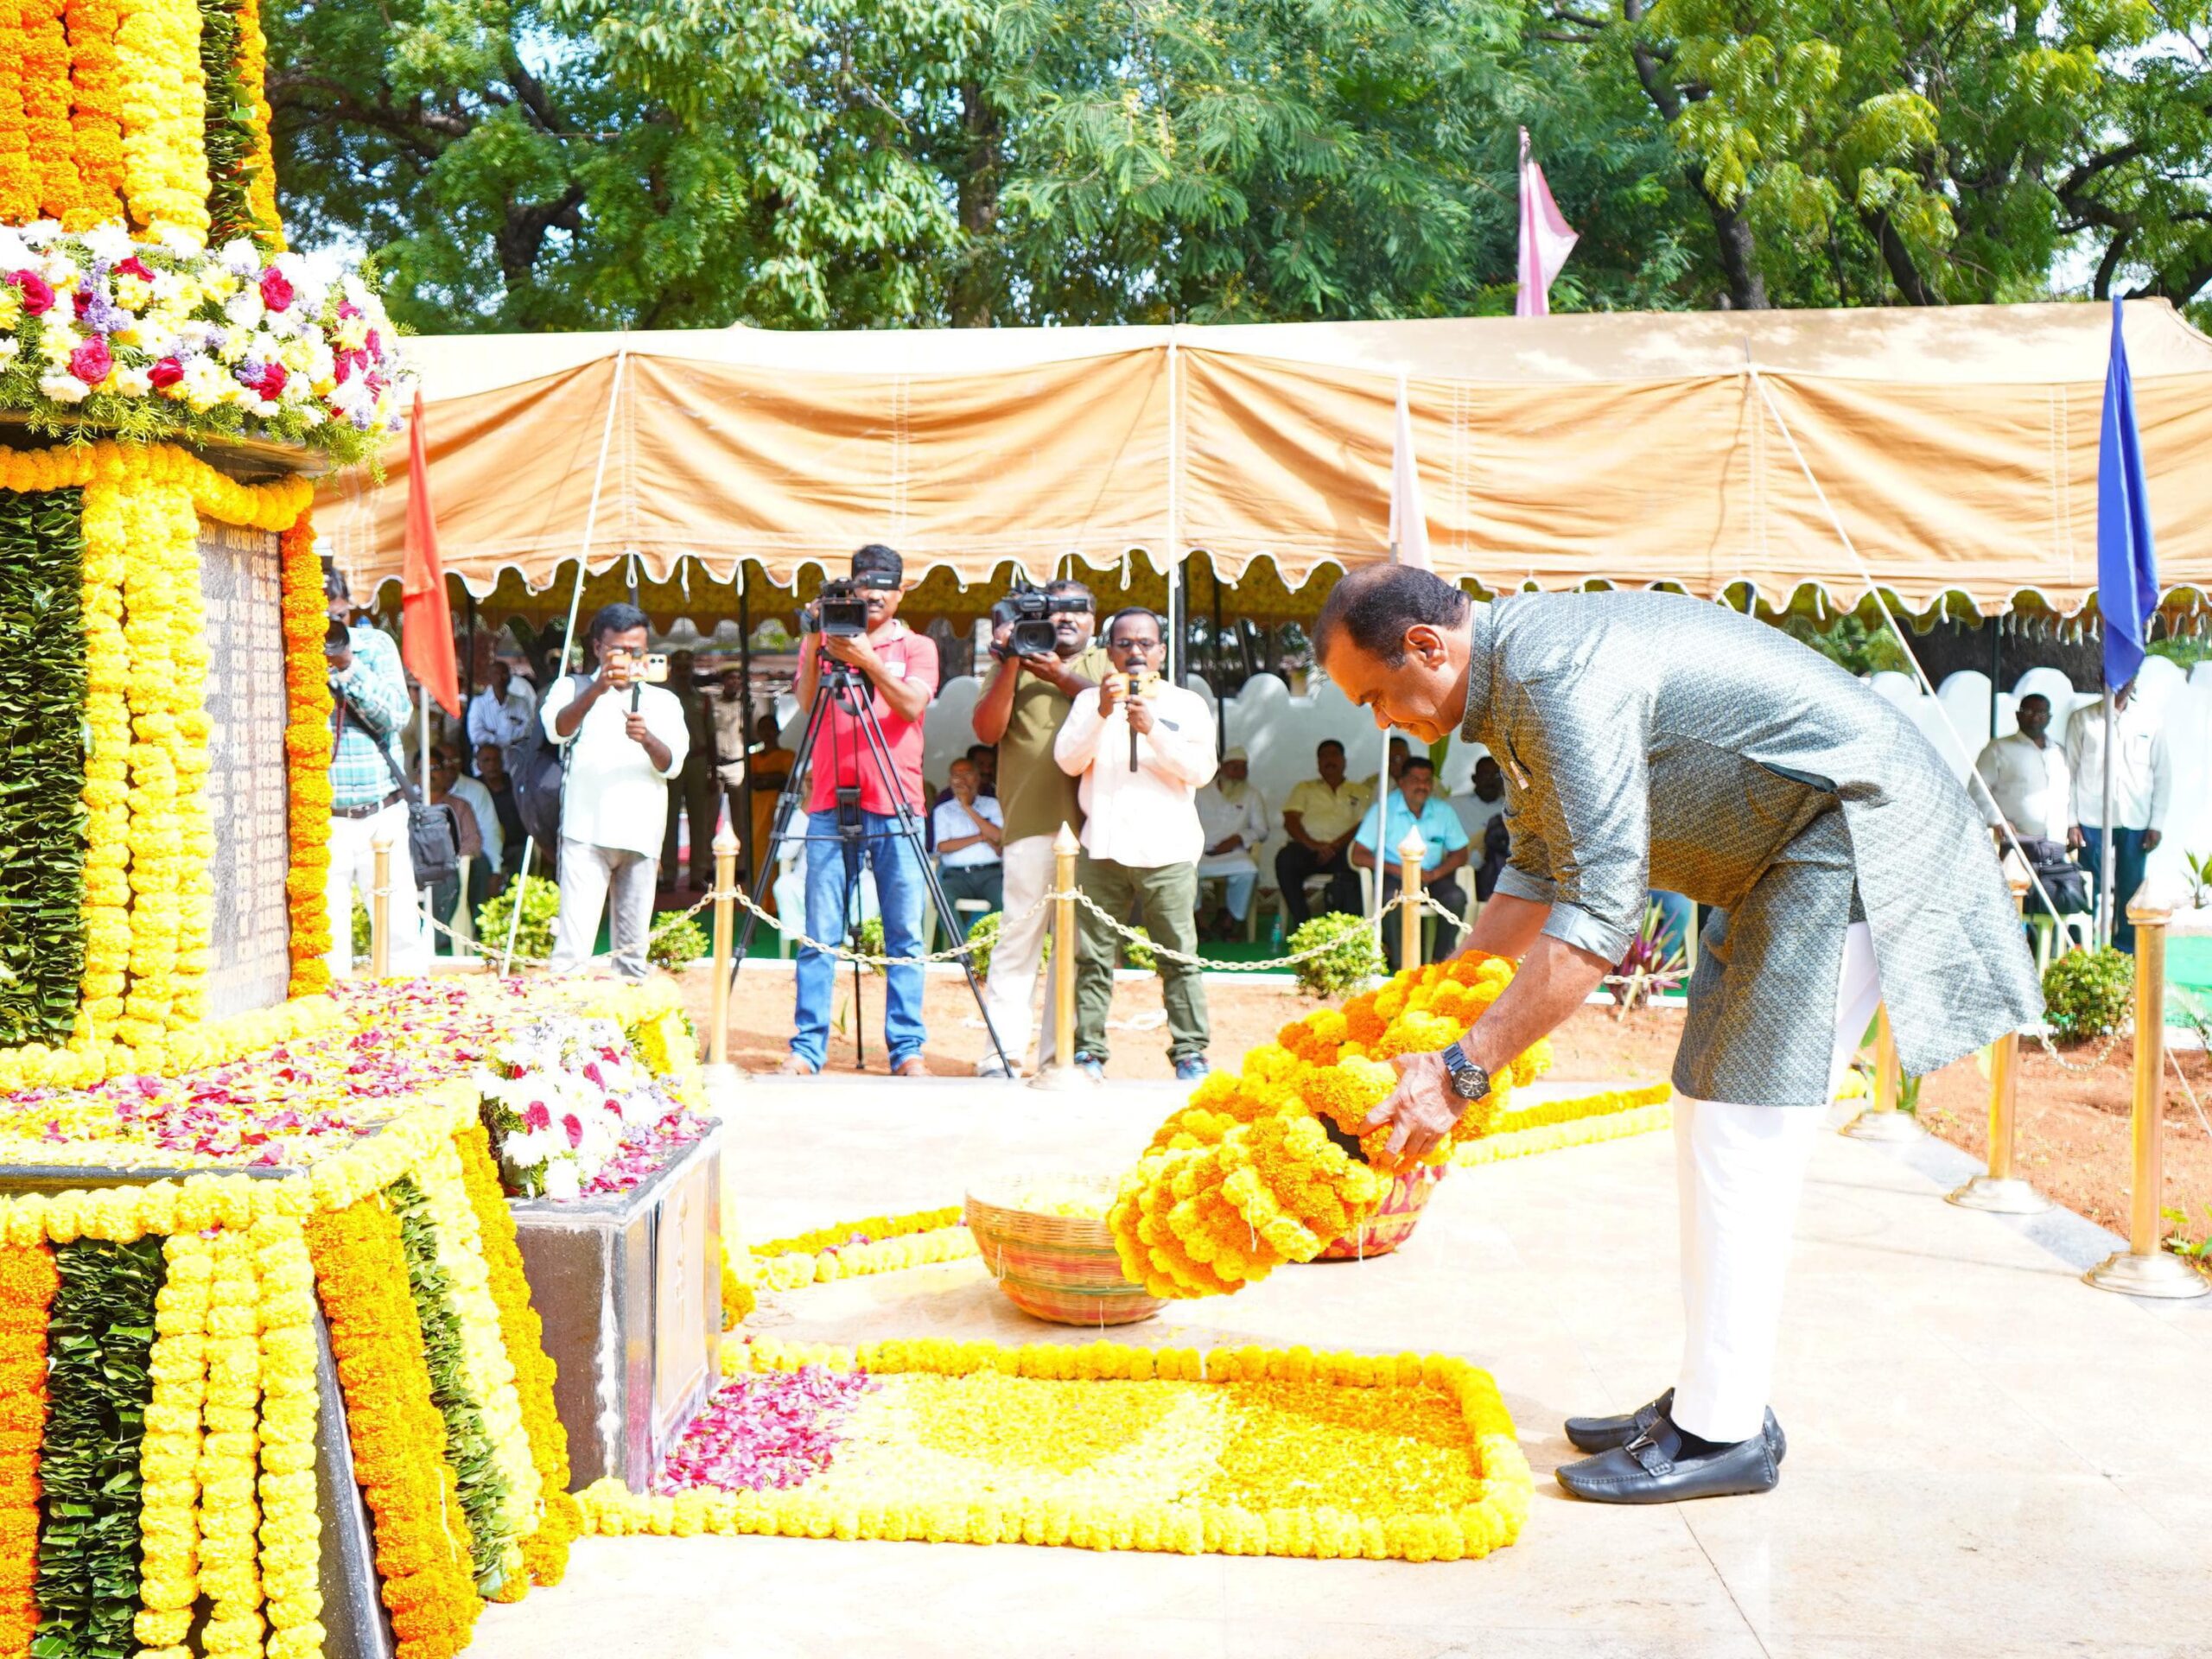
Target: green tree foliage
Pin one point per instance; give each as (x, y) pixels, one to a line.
(565, 163)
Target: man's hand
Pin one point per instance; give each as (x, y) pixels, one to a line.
(853, 649)
(1230, 845)
(2074, 838)
(1111, 690)
(633, 726)
(2151, 838)
(617, 671)
(1047, 668)
(1421, 1109)
(1141, 716)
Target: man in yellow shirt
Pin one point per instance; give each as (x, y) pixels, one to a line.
(1321, 818)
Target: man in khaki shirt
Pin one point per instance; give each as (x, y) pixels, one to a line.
(1320, 818)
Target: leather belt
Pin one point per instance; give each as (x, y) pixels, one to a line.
(364, 811)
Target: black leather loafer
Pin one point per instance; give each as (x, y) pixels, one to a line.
(1643, 1472)
(1604, 1434)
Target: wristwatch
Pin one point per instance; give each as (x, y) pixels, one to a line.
(1469, 1081)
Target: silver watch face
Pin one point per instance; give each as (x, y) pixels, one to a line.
(1469, 1081)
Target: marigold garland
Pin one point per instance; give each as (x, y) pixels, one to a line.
(291, 1526)
(1618, 1125)
(230, 1516)
(28, 1281)
(100, 1335)
(164, 110)
(97, 117)
(45, 81)
(307, 757)
(1270, 1165)
(545, 1552)
(168, 1458)
(18, 178)
(422, 1567)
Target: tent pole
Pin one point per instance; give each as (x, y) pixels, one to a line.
(1174, 559)
(1975, 782)
(591, 511)
(745, 718)
(1996, 667)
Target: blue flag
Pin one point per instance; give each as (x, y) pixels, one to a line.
(2127, 565)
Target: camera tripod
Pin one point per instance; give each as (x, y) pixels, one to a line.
(851, 691)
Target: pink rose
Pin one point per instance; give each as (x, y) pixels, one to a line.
(535, 1116)
(82, 300)
(134, 266)
(165, 373)
(37, 292)
(573, 1125)
(272, 380)
(276, 291)
(91, 362)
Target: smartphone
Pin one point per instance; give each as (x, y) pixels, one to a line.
(656, 669)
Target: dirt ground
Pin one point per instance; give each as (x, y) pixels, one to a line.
(2073, 1127)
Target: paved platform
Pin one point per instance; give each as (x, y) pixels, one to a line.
(1987, 1458)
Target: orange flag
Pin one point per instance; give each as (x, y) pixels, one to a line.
(426, 622)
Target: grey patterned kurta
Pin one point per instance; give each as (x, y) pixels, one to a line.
(1652, 740)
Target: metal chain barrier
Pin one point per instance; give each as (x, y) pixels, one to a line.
(662, 924)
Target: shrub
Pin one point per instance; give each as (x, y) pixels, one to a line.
(541, 903)
(1355, 958)
(674, 945)
(2087, 993)
(983, 937)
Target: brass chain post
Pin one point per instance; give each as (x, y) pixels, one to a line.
(1060, 1072)
(725, 845)
(1999, 1190)
(379, 907)
(1411, 851)
(1883, 1121)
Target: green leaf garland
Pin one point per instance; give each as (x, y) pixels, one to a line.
(100, 1344)
(41, 787)
(484, 1497)
(228, 126)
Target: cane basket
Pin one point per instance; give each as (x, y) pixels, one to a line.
(1394, 1224)
(1058, 1267)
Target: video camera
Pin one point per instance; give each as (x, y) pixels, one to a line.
(839, 610)
(1031, 608)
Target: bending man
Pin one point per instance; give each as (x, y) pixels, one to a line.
(1844, 865)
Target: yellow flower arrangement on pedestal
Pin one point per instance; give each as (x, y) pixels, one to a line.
(1273, 1164)
(170, 1456)
(229, 1517)
(306, 758)
(291, 1526)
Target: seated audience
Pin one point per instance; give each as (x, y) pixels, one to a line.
(967, 824)
(1319, 818)
(1413, 804)
(1234, 820)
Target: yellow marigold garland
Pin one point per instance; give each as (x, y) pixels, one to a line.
(18, 178)
(307, 757)
(164, 101)
(253, 74)
(489, 1371)
(174, 520)
(229, 1517)
(291, 1526)
(1618, 1125)
(170, 1456)
(841, 1234)
(45, 82)
(421, 1536)
(97, 117)
(28, 1281)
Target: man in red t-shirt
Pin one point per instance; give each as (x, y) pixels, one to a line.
(848, 787)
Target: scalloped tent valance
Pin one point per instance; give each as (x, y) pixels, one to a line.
(1959, 447)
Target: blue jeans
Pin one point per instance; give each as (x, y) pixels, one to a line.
(898, 893)
(2127, 860)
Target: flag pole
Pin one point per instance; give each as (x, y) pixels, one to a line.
(2105, 916)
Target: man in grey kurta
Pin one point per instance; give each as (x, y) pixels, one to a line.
(1650, 740)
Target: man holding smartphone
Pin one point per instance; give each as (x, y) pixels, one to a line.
(626, 739)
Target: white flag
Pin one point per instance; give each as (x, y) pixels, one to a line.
(1408, 523)
(1546, 238)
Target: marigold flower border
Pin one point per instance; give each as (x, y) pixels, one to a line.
(1491, 1522)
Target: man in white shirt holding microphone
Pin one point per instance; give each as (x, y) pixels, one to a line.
(1143, 748)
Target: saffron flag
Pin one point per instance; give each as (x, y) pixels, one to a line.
(1409, 522)
(2127, 564)
(1546, 238)
(426, 622)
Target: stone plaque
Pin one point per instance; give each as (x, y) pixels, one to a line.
(241, 586)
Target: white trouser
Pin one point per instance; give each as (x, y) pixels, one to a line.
(1740, 1169)
(352, 869)
(1011, 992)
(588, 875)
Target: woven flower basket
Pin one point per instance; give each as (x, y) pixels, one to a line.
(1057, 1267)
(1394, 1224)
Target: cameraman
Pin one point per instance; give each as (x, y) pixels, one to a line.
(626, 739)
(369, 708)
(897, 670)
(1020, 710)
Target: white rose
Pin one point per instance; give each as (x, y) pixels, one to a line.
(64, 388)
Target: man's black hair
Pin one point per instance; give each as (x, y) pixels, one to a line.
(1061, 585)
(1419, 763)
(1327, 743)
(876, 559)
(1373, 606)
(619, 618)
(1153, 617)
(337, 634)
(975, 749)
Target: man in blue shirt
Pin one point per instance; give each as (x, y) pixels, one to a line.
(1413, 804)
(370, 706)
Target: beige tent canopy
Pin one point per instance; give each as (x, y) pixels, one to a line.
(1958, 447)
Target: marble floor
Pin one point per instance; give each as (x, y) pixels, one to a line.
(1986, 1457)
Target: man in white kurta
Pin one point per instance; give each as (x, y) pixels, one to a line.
(1233, 821)
(1142, 758)
(625, 740)
(2142, 786)
(2028, 780)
